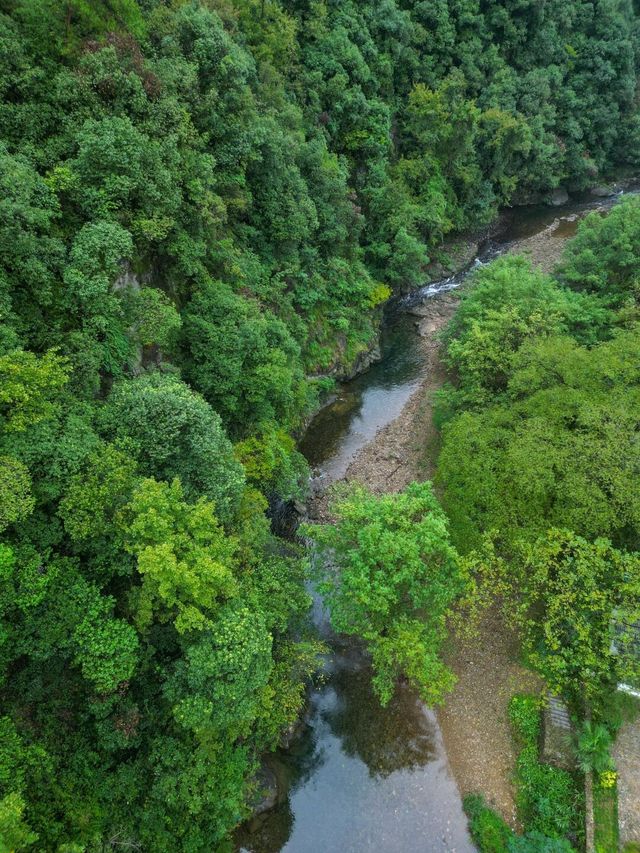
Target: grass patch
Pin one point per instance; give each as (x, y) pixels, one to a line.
(605, 818)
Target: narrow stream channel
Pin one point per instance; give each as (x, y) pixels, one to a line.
(362, 778)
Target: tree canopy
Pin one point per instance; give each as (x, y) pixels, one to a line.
(204, 206)
(390, 575)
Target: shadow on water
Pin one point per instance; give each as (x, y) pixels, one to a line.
(399, 737)
(363, 778)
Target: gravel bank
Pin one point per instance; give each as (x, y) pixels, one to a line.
(474, 720)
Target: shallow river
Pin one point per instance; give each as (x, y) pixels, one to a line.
(363, 778)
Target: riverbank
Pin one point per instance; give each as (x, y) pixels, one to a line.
(474, 720)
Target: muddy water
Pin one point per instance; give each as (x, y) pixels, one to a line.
(363, 778)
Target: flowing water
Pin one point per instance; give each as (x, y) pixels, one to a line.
(363, 778)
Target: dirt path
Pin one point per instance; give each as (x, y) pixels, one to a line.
(474, 720)
(626, 754)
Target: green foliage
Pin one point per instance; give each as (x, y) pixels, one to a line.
(243, 360)
(236, 187)
(568, 598)
(397, 577)
(557, 451)
(508, 305)
(536, 842)
(548, 801)
(547, 797)
(604, 257)
(182, 554)
(154, 318)
(488, 830)
(594, 748)
(606, 833)
(525, 718)
(224, 673)
(492, 834)
(272, 463)
(172, 432)
(16, 500)
(29, 388)
(14, 832)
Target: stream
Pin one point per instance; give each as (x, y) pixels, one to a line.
(363, 778)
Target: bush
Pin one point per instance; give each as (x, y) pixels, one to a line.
(492, 834)
(547, 799)
(535, 842)
(524, 714)
(594, 748)
(488, 830)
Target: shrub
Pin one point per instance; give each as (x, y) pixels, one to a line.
(489, 831)
(547, 798)
(492, 834)
(524, 714)
(535, 842)
(594, 745)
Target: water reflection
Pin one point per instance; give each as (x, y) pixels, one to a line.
(399, 737)
(363, 778)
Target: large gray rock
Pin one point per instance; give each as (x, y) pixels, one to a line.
(267, 791)
(558, 197)
(602, 191)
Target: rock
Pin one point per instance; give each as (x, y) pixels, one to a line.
(267, 791)
(131, 280)
(458, 253)
(602, 191)
(558, 197)
(364, 361)
(420, 310)
(300, 507)
(557, 746)
(427, 328)
(293, 732)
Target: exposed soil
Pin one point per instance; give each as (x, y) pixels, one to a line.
(545, 249)
(474, 720)
(626, 754)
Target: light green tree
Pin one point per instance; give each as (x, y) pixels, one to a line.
(390, 575)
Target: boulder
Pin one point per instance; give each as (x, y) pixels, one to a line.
(293, 732)
(602, 191)
(266, 797)
(558, 197)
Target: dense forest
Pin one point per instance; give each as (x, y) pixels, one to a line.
(204, 207)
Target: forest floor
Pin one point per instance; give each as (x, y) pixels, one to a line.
(474, 719)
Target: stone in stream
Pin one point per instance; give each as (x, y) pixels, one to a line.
(267, 791)
(422, 310)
